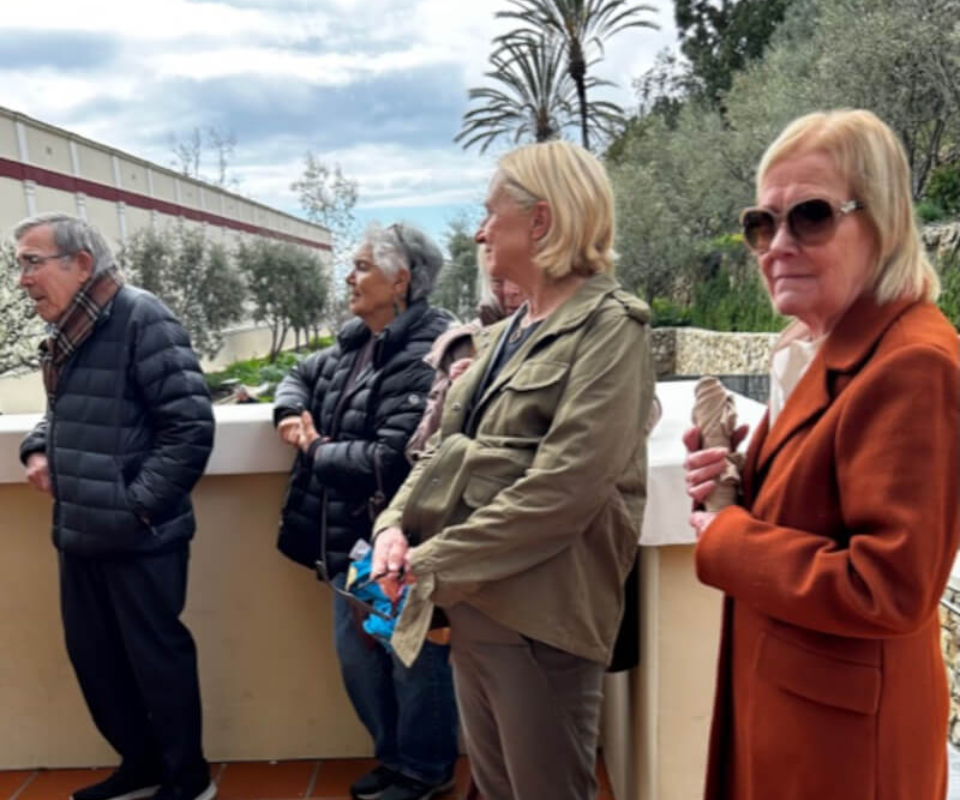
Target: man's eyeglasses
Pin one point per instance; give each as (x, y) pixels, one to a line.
(30, 262)
(810, 222)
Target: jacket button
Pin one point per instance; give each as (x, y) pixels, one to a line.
(457, 406)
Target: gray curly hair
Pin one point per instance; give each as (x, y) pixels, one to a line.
(402, 246)
(71, 235)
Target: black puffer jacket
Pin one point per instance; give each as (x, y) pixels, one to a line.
(128, 434)
(368, 428)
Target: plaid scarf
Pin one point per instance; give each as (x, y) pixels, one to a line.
(76, 324)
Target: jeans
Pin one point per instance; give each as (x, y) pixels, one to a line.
(411, 714)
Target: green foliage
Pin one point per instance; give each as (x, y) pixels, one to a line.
(20, 329)
(719, 40)
(288, 285)
(456, 288)
(258, 371)
(725, 303)
(581, 27)
(531, 97)
(668, 313)
(949, 302)
(930, 211)
(943, 188)
(193, 276)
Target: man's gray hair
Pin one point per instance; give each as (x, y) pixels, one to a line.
(402, 246)
(71, 235)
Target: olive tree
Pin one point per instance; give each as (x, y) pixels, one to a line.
(193, 276)
(20, 329)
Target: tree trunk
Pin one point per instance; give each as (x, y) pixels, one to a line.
(577, 68)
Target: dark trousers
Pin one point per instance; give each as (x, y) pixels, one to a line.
(411, 713)
(135, 660)
(531, 712)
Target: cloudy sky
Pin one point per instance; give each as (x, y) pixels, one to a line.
(378, 86)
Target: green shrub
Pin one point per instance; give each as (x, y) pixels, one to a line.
(943, 189)
(257, 371)
(667, 313)
(949, 301)
(929, 211)
(723, 303)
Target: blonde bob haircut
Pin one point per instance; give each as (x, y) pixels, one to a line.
(576, 187)
(874, 164)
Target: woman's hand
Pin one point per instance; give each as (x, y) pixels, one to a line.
(390, 562)
(308, 432)
(699, 520)
(289, 430)
(703, 467)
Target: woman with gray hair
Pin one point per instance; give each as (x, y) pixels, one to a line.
(350, 410)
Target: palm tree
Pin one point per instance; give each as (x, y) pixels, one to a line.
(579, 25)
(535, 99)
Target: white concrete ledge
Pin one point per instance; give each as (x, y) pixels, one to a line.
(246, 442)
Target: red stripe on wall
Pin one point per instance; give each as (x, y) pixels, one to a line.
(68, 183)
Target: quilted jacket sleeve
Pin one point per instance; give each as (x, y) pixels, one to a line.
(354, 464)
(177, 402)
(35, 441)
(295, 391)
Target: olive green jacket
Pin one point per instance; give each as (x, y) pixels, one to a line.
(528, 503)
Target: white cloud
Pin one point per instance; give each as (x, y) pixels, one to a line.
(343, 46)
(142, 19)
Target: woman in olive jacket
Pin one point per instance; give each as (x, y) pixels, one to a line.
(523, 522)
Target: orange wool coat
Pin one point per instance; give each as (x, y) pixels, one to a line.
(830, 682)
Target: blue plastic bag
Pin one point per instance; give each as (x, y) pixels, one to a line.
(361, 587)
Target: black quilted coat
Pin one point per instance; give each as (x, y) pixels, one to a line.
(329, 495)
(127, 435)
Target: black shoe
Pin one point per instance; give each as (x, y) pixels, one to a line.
(123, 784)
(204, 789)
(373, 784)
(407, 788)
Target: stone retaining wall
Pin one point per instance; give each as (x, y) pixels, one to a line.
(694, 351)
(950, 642)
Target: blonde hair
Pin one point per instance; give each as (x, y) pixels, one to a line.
(576, 187)
(872, 160)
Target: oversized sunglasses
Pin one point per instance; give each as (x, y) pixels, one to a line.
(810, 222)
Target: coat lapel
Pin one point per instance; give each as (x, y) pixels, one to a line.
(844, 351)
(570, 315)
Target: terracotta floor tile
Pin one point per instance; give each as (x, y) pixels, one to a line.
(59, 784)
(263, 780)
(12, 780)
(335, 776)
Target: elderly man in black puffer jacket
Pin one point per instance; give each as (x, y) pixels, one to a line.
(127, 434)
(351, 408)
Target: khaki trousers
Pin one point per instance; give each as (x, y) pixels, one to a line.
(530, 712)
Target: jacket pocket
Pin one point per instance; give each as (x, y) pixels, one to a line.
(481, 489)
(818, 677)
(534, 375)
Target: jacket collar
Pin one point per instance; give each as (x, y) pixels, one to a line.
(845, 350)
(570, 315)
(354, 333)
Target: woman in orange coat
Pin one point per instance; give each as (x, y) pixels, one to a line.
(831, 685)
